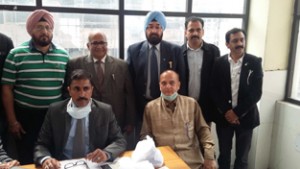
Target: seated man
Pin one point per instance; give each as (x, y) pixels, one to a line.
(176, 121)
(78, 127)
(5, 161)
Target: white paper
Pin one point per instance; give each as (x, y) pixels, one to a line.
(81, 163)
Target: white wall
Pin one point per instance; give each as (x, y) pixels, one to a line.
(273, 90)
(286, 137)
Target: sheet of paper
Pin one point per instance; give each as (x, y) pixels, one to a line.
(82, 163)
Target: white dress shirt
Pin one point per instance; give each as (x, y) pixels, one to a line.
(235, 72)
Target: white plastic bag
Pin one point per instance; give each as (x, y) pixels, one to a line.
(146, 150)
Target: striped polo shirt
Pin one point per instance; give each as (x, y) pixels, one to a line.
(37, 78)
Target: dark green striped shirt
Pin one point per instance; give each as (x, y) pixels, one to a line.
(37, 78)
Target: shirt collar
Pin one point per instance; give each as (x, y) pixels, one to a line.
(157, 46)
(169, 104)
(102, 60)
(240, 60)
(32, 47)
(189, 48)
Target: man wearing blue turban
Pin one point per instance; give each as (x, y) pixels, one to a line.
(147, 59)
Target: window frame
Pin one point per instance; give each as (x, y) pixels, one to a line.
(121, 12)
(292, 54)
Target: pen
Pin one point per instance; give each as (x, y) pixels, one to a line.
(187, 129)
(249, 74)
(113, 76)
(170, 64)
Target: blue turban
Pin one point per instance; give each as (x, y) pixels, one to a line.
(155, 15)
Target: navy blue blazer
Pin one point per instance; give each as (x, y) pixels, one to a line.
(210, 53)
(137, 58)
(250, 90)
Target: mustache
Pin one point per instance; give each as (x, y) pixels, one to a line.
(82, 98)
(154, 34)
(195, 37)
(237, 47)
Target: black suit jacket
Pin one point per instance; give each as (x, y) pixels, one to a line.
(137, 58)
(104, 132)
(5, 47)
(210, 53)
(117, 89)
(250, 90)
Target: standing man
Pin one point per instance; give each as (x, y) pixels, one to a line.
(147, 59)
(78, 127)
(33, 76)
(5, 47)
(176, 121)
(113, 84)
(199, 57)
(236, 88)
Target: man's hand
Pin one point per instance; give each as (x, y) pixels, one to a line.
(210, 164)
(10, 164)
(51, 163)
(97, 156)
(231, 117)
(16, 130)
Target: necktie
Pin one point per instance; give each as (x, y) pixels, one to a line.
(154, 86)
(78, 141)
(100, 74)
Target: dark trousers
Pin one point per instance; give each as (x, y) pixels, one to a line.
(31, 121)
(243, 144)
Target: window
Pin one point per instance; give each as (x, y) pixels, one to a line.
(98, 4)
(162, 5)
(293, 83)
(228, 6)
(18, 2)
(122, 20)
(70, 30)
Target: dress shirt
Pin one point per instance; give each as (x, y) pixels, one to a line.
(148, 94)
(195, 60)
(69, 146)
(235, 72)
(171, 104)
(102, 63)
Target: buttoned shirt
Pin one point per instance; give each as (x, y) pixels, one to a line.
(148, 95)
(69, 146)
(195, 60)
(235, 72)
(102, 63)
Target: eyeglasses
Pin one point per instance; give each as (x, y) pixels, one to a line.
(40, 28)
(154, 27)
(76, 164)
(100, 43)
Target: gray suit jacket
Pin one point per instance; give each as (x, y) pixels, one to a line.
(117, 89)
(104, 132)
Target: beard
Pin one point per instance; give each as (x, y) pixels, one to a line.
(154, 39)
(42, 40)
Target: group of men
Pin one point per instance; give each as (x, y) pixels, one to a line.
(169, 92)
